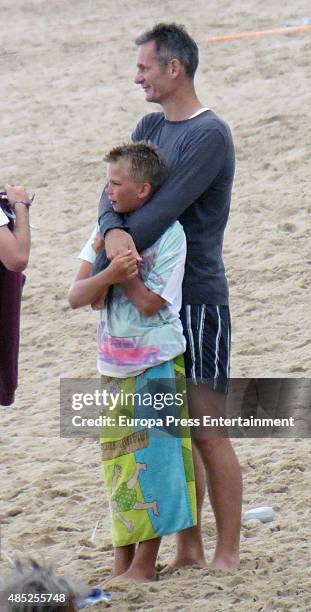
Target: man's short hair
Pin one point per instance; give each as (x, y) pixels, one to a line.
(172, 41)
(143, 161)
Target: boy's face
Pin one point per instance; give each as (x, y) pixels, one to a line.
(124, 194)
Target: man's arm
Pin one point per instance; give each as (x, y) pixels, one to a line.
(199, 165)
(147, 302)
(107, 216)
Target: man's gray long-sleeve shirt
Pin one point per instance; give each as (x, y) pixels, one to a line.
(200, 152)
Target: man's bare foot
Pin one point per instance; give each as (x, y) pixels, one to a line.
(225, 562)
(131, 575)
(183, 562)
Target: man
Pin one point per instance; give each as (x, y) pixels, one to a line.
(14, 253)
(199, 148)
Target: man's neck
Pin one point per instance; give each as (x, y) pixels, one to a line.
(181, 106)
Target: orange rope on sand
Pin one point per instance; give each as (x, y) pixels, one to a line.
(238, 35)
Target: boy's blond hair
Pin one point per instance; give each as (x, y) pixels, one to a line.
(143, 162)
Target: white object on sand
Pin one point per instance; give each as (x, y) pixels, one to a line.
(94, 531)
(265, 514)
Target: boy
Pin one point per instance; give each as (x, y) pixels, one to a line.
(149, 474)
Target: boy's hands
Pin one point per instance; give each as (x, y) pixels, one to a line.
(123, 267)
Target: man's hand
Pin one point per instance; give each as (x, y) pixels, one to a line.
(118, 241)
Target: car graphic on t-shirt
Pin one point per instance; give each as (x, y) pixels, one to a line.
(127, 351)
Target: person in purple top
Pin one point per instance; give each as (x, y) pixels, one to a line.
(14, 253)
(199, 148)
(15, 244)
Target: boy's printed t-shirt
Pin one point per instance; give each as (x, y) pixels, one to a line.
(127, 341)
(3, 218)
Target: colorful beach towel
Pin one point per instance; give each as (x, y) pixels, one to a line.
(147, 460)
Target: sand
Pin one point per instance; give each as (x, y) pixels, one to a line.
(68, 94)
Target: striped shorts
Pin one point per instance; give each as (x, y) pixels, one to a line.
(207, 329)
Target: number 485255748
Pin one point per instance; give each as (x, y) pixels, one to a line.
(36, 597)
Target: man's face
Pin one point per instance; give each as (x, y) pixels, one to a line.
(124, 194)
(152, 75)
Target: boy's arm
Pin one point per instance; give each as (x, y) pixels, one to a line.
(86, 289)
(164, 281)
(147, 302)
